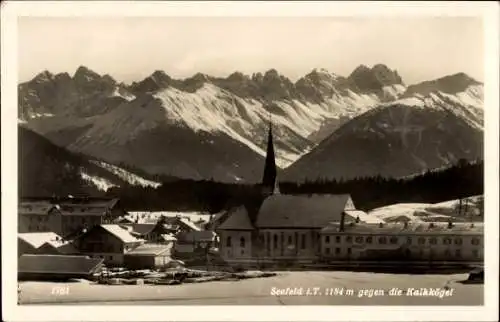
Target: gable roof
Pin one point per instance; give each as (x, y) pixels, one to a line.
(302, 211)
(38, 239)
(120, 233)
(34, 207)
(61, 264)
(237, 219)
(150, 249)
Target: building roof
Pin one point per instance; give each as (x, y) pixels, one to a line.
(197, 236)
(415, 228)
(304, 211)
(150, 249)
(35, 207)
(189, 224)
(141, 229)
(62, 264)
(237, 219)
(82, 209)
(120, 233)
(38, 239)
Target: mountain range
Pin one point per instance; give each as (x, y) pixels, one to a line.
(202, 127)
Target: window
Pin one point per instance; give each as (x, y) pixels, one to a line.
(242, 242)
(458, 241)
(337, 239)
(447, 241)
(393, 240)
(228, 241)
(382, 240)
(290, 240)
(458, 253)
(369, 239)
(421, 240)
(337, 250)
(408, 252)
(348, 239)
(475, 253)
(327, 239)
(408, 240)
(275, 241)
(447, 253)
(348, 251)
(474, 241)
(359, 239)
(303, 241)
(327, 250)
(242, 252)
(433, 241)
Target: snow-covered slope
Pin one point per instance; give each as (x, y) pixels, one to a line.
(127, 176)
(471, 210)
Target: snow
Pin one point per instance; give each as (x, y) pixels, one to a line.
(121, 233)
(35, 115)
(214, 110)
(423, 212)
(149, 216)
(38, 239)
(126, 176)
(123, 94)
(394, 91)
(409, 101)
(101, 183)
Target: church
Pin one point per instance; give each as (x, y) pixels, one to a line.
(279, 228)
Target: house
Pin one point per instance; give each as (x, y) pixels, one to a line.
(148, 256)
(447, 242)
(64, 216)
(57, 267)
(197, 239)
(110, 242)
(158, 233)
(44, 243)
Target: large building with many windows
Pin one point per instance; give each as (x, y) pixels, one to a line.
(439, 242)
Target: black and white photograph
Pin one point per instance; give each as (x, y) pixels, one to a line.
(236, 159)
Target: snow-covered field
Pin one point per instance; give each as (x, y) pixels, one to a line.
(263, 291)
(421, 212)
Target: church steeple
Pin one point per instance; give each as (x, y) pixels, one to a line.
(269, 180)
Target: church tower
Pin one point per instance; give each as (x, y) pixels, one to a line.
(269, 180)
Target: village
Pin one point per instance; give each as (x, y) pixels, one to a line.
(91, 238)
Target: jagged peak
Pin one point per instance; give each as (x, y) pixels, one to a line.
(43, 76)
(86, 73)
(238, 76)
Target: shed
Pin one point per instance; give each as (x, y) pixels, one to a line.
(57, 267)
(148, 256)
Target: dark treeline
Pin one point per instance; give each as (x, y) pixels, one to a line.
(462, 180)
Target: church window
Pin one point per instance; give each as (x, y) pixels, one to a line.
(327, 239)
(228, 241)
(303, 241)
(242, 242)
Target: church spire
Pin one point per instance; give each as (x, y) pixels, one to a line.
(269, 180)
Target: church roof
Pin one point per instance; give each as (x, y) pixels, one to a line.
(238, 219)
(302, 211)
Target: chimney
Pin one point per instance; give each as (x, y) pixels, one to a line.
(406, 224)
(357, 220)
(450, 224)
(342, 221)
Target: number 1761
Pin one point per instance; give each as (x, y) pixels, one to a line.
(60, 290)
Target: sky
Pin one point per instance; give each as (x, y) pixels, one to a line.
(130, 49)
